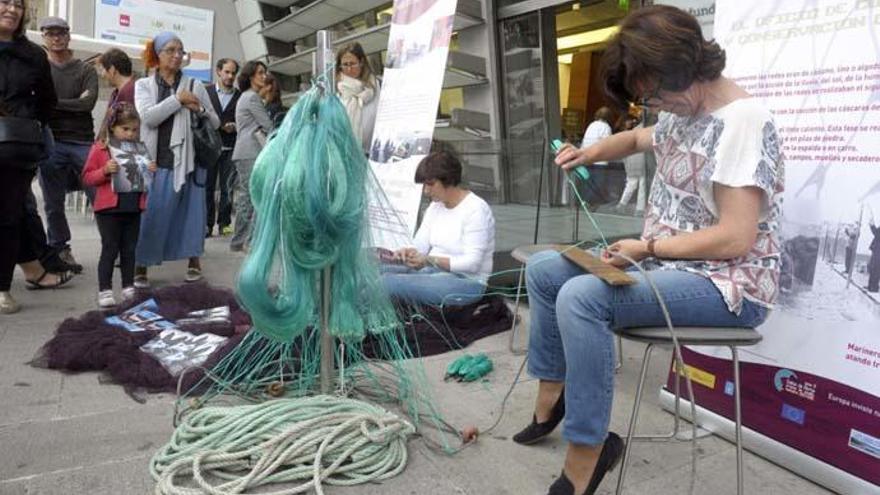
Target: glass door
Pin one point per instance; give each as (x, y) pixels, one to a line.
(530, 105)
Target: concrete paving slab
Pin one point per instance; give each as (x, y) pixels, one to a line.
(115, 476)
(717, 474)
(76, 441)
(72, 434)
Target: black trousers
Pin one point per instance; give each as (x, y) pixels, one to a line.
(849, 258)
(222, 173)
(119, 236)
(16, 245)
(874, 271)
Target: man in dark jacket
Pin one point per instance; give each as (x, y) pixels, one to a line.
(76, 84)
(224, 97)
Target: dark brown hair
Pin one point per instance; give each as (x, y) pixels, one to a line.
(603, 113)
(117, 58)
(247, 72)
(358, 51)
(120, 113)
(659, 47)
(275, 94)
(223, 61)
(441, 166)
(22, 23)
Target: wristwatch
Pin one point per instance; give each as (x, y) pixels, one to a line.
(651, 248)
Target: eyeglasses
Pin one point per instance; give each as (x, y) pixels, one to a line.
(54, 33)
(12, 4)
(646, 101)
(350, 65)
(174, 51)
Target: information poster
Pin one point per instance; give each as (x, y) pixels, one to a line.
(813, 383)
(136, 21)
(418, 46)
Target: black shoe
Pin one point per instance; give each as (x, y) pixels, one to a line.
(612, 452)
(536, 431)
(66, 256)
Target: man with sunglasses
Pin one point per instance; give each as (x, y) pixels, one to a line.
(76, 84)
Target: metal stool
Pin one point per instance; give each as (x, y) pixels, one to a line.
(522, 254)
(730, 337)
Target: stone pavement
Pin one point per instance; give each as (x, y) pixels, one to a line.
(64, 434)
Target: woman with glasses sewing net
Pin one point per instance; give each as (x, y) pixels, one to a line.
(710, 238)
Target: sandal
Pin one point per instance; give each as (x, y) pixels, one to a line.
(38, 284)
(193, 274)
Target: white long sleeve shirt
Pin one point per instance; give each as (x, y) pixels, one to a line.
(464, 234)
(596, 131)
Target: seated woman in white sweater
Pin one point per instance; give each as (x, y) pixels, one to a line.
(451, 260)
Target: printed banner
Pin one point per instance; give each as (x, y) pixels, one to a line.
(703, 10)
(136, 21)
(134, 162)
(418, 45)
(813, 383)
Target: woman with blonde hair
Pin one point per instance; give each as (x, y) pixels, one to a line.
(173, 224)
(358, 89)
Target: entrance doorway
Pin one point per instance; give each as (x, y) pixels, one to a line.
(550, 90)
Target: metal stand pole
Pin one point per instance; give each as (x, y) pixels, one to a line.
(327, 361)
(324, 72)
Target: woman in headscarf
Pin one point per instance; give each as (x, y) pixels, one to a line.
(173, 225)
(359, 91)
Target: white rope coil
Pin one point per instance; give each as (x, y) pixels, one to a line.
(310, 441)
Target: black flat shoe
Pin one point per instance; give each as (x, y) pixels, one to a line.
(612, 452)
(536, 431)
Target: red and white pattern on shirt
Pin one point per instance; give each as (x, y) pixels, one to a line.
(676, 187)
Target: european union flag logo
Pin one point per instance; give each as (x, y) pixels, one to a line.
(728, 388)
(793, 414)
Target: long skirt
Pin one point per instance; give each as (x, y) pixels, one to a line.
(173, 225)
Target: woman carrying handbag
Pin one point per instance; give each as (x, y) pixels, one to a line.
(173, 224)
(27, 96)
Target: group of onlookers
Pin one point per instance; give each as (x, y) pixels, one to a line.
(184, 198)
(56, 92)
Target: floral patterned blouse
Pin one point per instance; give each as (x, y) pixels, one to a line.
(737, 146)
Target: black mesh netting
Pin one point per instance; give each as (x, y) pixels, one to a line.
(89, 343)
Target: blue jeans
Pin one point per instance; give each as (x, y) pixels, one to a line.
(60, 174)
(430, 285)
(573, 317)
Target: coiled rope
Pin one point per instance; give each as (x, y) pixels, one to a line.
(310, 441)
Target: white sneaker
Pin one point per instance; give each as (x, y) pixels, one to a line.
(105, 299)
(141, 281)
(128, 293)
(8, 304)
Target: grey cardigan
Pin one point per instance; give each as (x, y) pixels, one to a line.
(250, 116)
(152, 114)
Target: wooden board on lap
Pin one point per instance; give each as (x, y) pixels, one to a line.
(610, 274)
